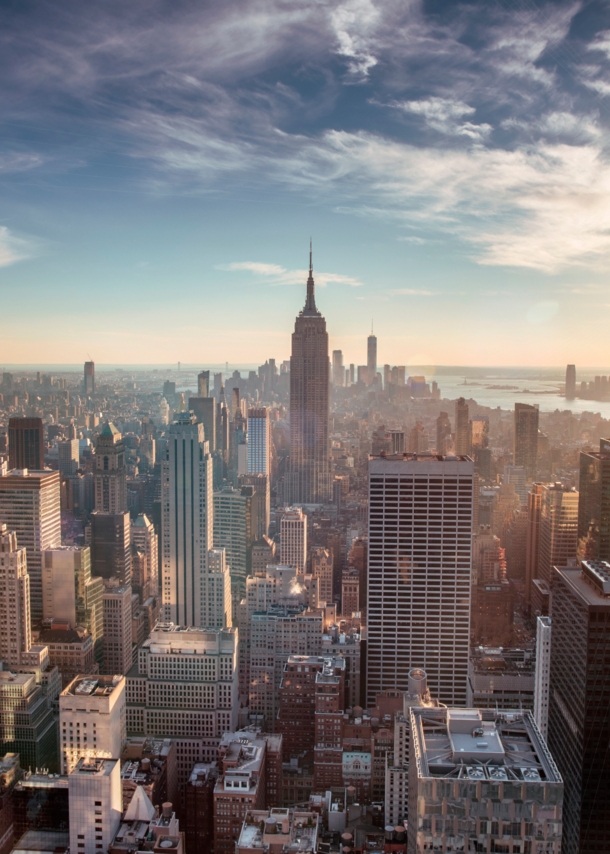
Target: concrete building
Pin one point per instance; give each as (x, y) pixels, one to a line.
(462, 428)
(198, 800)
(144, 542)
(322, 569)
(570, 382)
(293, 539)
(233, 532)
(579, 698)
(70, 595)
(259, 441)
(95, 804)
(89, 379)
(526, 439)
(397, 762)
(338, 369)
(217, 612)
(260, 503)
(263, 554)
(279, 830)
(371, 357)
(118, 642)
(186, 522)
(419, 573)
(308, 480)
(501, 678)
(110, 475)
(542, 675)
(532, 543)
(276, 634)
(184, 687)
(71, 651)
(204, 409)
(250, 768)
(91, 719)
(111, 545)
(348, 646)
(470, 771)
(350, 592)
(25, 443)
(68, 456)
(16, 633)
(30, 506)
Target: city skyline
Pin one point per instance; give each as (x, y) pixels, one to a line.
(137, 160)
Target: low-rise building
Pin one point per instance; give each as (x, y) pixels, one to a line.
(279, 830)
(71, 651)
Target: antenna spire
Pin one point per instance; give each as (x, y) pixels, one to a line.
(310, 302)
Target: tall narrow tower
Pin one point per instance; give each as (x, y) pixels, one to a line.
(308, 480)
(371, 357)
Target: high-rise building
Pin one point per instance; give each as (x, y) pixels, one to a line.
(371, 357)
(579, 699)
(118, 641)
(462, 428)
(322, 569)
(594, 503)
(203, 385)
(89, 379)
(486, 751)
(259, 441)
(30, 506)
(70, 594)
(233, 532)
(308, 480)
(109, 474)
(516, 475)
(532, 542)
(397, 440)
(293, 539)
(25, 443)
(91, 719)
(419, 573)
(16, 634)
(570, 382)
(261, 502)
(443, 433)
(144, 546)
(542, 675)
(185, 687)
(526, 439)
(94, 787)
(111, 546)
(217, 612)
(558, 529)
(28, 724)
(205, 413)
(338, 368)
(187, 521)
(68, 456)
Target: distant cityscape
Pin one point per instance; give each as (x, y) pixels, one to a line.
(317, 608)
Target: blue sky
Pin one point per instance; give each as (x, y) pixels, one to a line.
(163, 165)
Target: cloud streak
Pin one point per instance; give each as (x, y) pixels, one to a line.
(274, 274)
(13, 248)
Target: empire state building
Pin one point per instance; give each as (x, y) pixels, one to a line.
(308, 480)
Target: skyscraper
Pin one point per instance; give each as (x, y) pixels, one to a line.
(89, 379)
(526, 438)
(570, 382)
(308, 480)
(203, 384)
(25, 443)
(109, 474)
(419, 573)
(259, 441)
(558, 529)
(233, 532)
(371, 356)
(462, 428)
(293, 539)
(579, 700)
(187, 522)
(594, 503)
(16, 633)
(338, 368)
(443, 433)
(532, 543)
(30, 506)
(111, 546)
(205, 413)
(68, 457)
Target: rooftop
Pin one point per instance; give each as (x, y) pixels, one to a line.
(88, 766)
(421, 458)
(92, 686)
(279, 830)
(480, 744)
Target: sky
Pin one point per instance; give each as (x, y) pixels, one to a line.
(163, 166)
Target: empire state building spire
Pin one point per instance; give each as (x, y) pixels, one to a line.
(310, 309)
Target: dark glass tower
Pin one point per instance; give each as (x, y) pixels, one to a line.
(25, 444)
(526, 439)
(308, 480)
(594, 503)
(579, 702)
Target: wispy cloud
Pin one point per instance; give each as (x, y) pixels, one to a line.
(13, 248)
(446, 115)
(274, 274)
(410, 292)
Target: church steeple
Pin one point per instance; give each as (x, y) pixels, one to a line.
(310, 302)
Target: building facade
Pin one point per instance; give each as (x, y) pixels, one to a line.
(293, 539)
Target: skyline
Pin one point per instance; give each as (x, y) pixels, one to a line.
(161, 166)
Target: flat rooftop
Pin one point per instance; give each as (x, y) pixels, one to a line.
(481, 744)
(88, 766)
(421, 458)
(297, 831)
(92, 686)
(588, 585)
